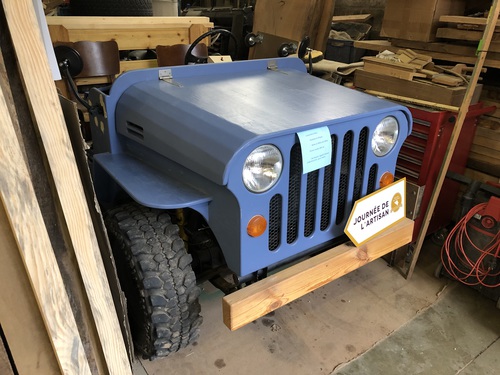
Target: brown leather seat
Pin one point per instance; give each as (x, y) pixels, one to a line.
(99, 58)
(174, 55)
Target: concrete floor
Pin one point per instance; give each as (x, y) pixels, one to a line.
(371, 321)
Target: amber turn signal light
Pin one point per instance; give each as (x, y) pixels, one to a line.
(256, 226)
(386, 179)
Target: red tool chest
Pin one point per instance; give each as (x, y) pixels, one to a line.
(423, 154)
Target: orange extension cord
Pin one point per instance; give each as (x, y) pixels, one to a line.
(463, 267)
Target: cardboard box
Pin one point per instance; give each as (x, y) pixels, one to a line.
(417, 20)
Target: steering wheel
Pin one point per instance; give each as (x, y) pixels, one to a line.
(189, 53)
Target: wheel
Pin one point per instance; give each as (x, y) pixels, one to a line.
(156, 275)
(111, 7)
(189, 53)
(438, 271)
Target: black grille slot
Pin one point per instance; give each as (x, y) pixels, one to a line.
(294, 193)
(372, 179)
(275, 207)
(311, 198)
(345, 168)
(135, 130)
(326, 204)
(360, 162)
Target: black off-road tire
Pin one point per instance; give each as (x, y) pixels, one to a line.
(156, 276)
(111, 7)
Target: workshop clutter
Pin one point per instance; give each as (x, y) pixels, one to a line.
(414, 75)
(340, 44)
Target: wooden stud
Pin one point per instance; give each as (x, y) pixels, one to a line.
(46, 109)
(256, 300)
(25, 218)
(404, 99)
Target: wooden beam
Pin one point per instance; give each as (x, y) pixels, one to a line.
(25, 218)
(46, 109)
(352, 18)
(256, 300)
(470, 35)
(22, 320)
(126, 22)
(404, 99)
(462, 114)
(462, 19)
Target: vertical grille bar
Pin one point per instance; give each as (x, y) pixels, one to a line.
(360, 162)
(275, 209)
(311, 199)
(326, 204)
(294, 193)
(345, 169)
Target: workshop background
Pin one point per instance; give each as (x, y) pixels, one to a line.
(431, 306)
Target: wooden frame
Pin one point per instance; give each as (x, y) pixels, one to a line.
(256, 300)
(131, 33)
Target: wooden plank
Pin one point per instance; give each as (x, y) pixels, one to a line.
(484, 154)
(375, 45)
(352, 18)
(471, 35)
(493, 135)
(133, 39)
(389, 68)
(480, 176)
(253, 301)
(450, 149)
(132, 23)
(22, 321)
(491, 146)
(462, 19)
(453, 49)
(423, 103)
(483, 164)
(25, 218)
(48, 115)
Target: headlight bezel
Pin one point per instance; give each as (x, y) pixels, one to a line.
(271, 170)
(382, 145)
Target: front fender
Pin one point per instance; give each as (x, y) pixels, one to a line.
(149, 186)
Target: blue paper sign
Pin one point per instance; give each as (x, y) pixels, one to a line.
(316, 147)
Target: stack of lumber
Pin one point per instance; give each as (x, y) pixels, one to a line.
(484, 158)
(457, 40)
(57, 309)
(414, 76)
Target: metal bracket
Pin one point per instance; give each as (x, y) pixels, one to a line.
(272, 65)
(166, 76)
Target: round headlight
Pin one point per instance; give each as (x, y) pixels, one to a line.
(385, 136)
(262, 168)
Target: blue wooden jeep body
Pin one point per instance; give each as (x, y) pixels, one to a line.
(182, 144)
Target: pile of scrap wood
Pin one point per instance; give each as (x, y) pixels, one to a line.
(408, 65)
(414, 75)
